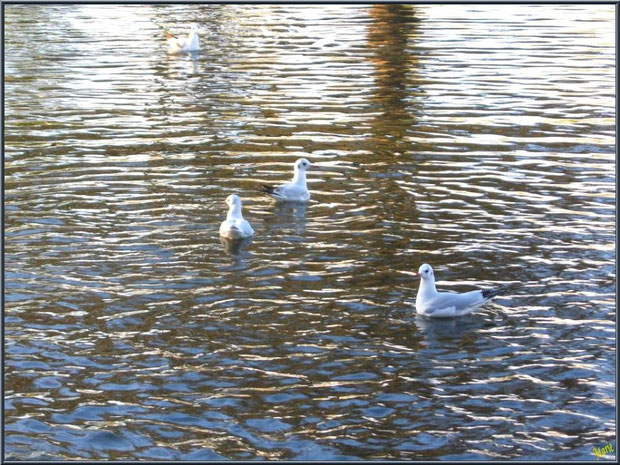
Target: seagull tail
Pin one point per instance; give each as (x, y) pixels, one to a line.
(488, 294)
(268, 189)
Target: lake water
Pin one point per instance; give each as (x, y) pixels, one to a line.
(477, 138)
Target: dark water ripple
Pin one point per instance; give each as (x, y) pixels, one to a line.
(475, 138)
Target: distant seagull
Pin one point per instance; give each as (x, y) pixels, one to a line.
(435, 304)
(235, 227)
(189, 44)
(294, 191)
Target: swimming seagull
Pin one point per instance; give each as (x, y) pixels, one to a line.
(235, 227)
(294, 191)
(189, 44)
(435, 304)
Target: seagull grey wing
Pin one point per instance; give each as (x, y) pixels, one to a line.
(246, 228)
(232, 229)
(294, 192)
(452, 304)
(287, 192)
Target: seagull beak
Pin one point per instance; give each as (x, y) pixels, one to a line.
(416, 274)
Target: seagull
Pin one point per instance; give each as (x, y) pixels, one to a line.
(435, 304)
(294, 191)
(189, 44)
(235, 227)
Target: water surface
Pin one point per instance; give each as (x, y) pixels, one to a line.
(477, 138)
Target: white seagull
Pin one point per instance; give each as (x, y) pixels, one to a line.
(435, 304)
(294, 191)
(191, 43)
(235, 227)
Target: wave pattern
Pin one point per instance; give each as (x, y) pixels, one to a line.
(477, 138)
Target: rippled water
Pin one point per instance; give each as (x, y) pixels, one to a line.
(477, 138)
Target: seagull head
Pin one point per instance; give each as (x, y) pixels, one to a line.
(302, 164)
(232, 200)
(425, 272)
(194, 28)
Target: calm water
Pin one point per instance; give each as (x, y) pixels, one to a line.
(477, 138)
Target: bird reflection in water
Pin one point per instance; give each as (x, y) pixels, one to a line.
(438, 329)
(289, 216)
(459, 331)
(236, 247)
